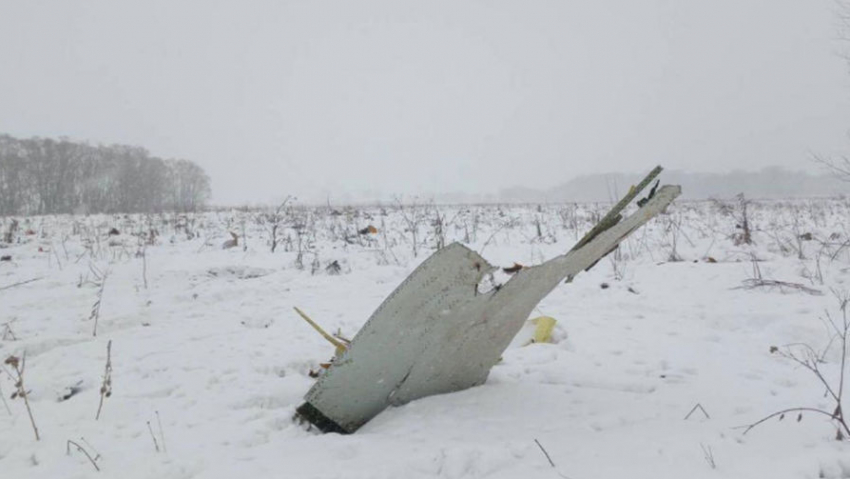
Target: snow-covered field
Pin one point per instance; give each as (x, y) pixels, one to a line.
(209, 361)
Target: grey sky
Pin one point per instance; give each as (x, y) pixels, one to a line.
(385, 97)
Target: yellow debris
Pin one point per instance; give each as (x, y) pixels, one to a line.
(543, 330)
(340, 346)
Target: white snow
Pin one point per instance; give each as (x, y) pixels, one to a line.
(213, 351)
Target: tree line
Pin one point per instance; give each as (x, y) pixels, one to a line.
(40, 176)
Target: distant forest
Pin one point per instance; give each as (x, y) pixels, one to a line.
(40, 176)
(770, 182)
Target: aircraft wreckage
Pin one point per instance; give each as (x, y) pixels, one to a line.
(436, 333)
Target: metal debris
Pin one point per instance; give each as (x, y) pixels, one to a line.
(437, 333)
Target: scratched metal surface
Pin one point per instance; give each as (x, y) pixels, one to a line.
(382, 354)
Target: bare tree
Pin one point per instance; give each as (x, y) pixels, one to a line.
(191, 185)
(840, 166)
(275, 220)
(413, 217)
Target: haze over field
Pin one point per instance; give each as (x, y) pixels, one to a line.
(374, 239)
(375, 98)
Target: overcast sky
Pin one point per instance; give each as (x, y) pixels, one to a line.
(387, 97)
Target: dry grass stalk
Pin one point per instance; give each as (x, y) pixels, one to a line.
(18, 365)
(81, 449)
(106, 387)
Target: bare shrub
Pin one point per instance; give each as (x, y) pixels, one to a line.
(811, 360)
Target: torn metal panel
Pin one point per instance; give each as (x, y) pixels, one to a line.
(437, 334)
(381, 357)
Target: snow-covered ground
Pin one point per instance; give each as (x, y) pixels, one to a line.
(210, 361)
